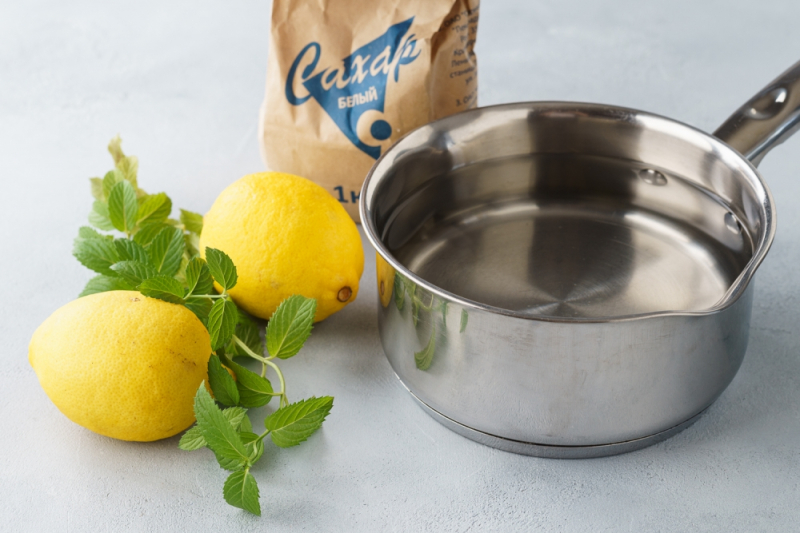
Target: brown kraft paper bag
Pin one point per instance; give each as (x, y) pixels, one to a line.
(347, 78)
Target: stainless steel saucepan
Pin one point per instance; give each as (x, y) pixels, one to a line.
(572, 280)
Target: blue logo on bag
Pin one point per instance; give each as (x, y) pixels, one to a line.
(359, 86)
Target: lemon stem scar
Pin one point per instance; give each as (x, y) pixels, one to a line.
(344, 294)
(264, 362)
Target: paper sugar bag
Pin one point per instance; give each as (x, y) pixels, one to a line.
(347, 78)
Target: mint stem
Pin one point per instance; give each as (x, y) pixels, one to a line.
(261, 437)
(247, 350)
(264, 361)
(284, 401)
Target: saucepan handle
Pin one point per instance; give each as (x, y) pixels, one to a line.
(767, 119)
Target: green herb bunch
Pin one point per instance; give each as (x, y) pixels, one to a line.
(159, 257)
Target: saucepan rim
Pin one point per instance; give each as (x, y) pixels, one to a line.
(719, 148)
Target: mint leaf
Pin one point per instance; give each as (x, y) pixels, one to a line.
(96, 254)
(222, 322)
(122, 206)
(464, 318)
(240, 490)
(192, 242)
(166, 251)
(111, 178)
(97, 189)
(290, 326)
(129, 168)
(198, 277)
(163, 288)
(245, 426)
(134, 272)
(247, 437)
(222, 268)
(191, 274)
(180, 275)
(232, 465)
(247, 331)
(222, 384)
(153, 209)
(201, 307)
(235, 415)
(217, 431)
(98, 217)
(253, 445)
(424, 358)
(104, 284)
(254, 391)
(129, 250)
(293, 424)
(148, 232)
(115, 149)
(192, 440)
(192, 221)
(85, 232)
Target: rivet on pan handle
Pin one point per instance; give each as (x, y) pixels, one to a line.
(767, 119)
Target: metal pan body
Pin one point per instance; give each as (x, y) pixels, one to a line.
(565, 279)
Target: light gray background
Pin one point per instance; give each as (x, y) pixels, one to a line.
(182, 83)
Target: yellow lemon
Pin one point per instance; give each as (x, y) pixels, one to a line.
(385, 274)
(286, 235)
(122, 365)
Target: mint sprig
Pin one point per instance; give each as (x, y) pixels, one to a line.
(160, 257)
(150, 237)
(227, 433)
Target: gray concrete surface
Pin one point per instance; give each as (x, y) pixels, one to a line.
(182, 82)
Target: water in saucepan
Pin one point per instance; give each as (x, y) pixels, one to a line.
(569, 236)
